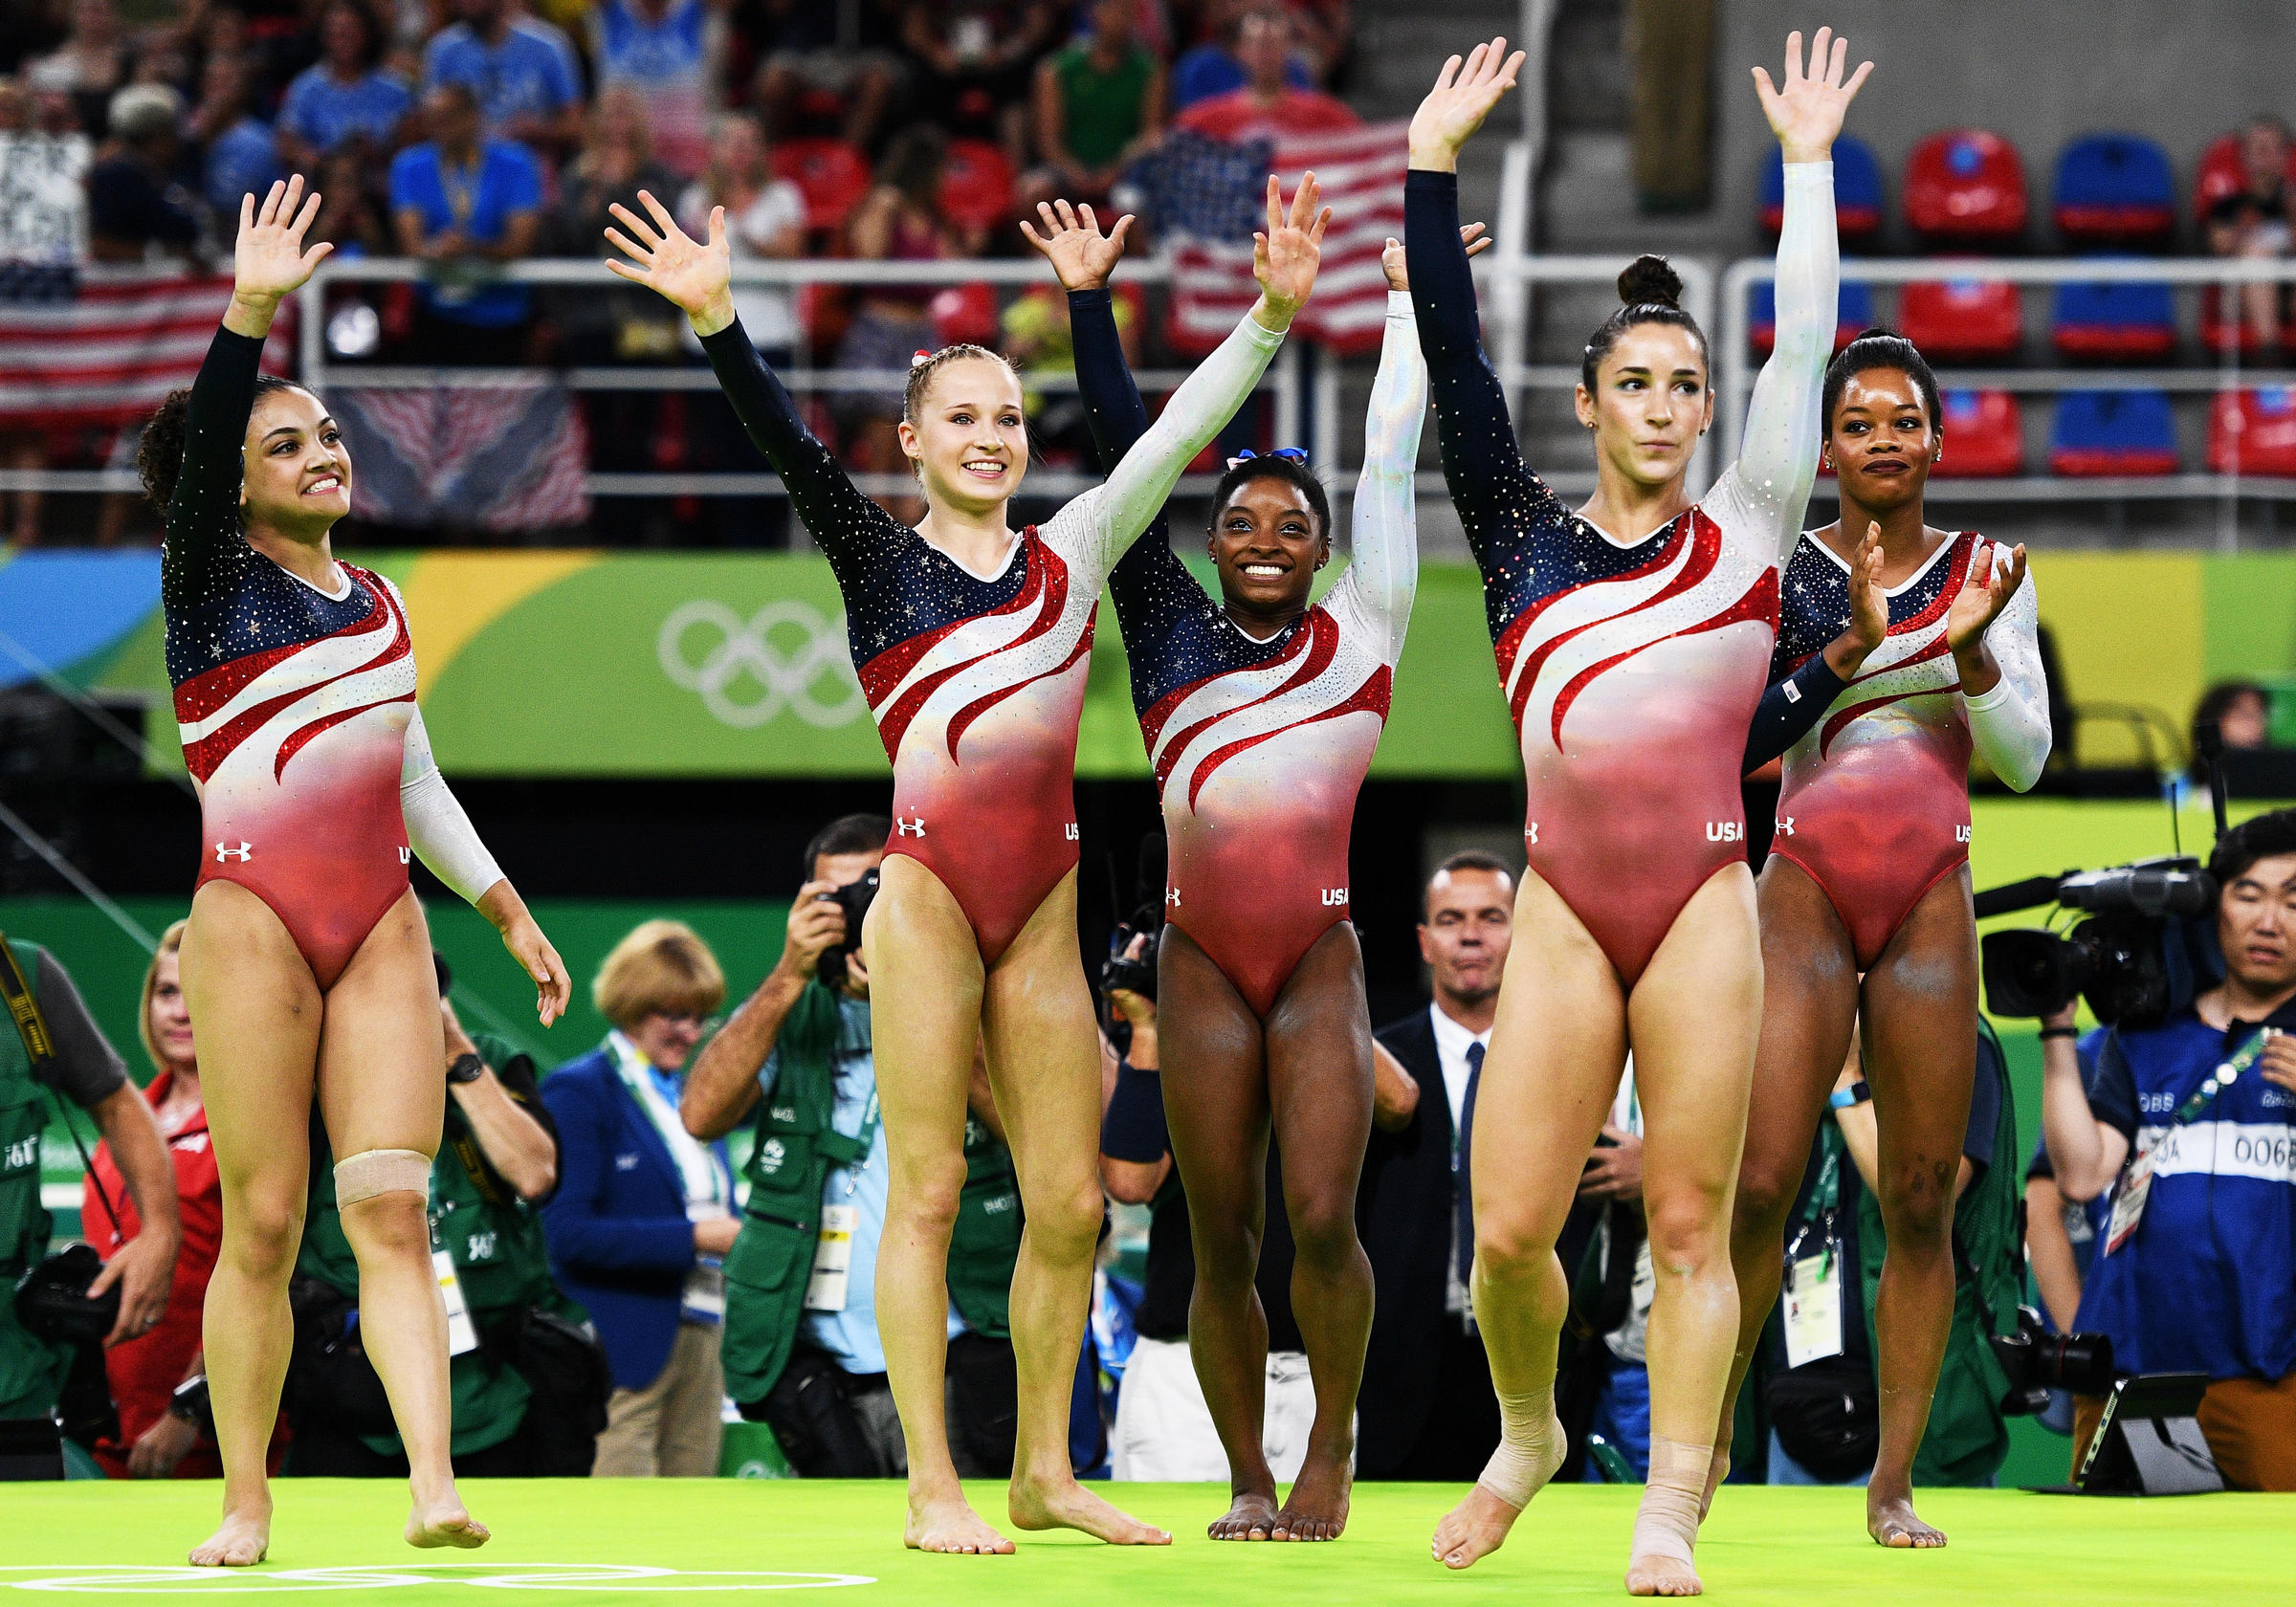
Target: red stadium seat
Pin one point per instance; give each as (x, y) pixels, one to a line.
(2253, 433)
(831, 174)
(1966, 186)
(965, 313)
(1961, 319)
(2223, 172)
(1984, 435)
(976, 185)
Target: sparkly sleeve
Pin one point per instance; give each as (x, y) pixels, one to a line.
(2010, 725)
(203, 513)
(1382, 569)
(842, 521)
(1500, 499)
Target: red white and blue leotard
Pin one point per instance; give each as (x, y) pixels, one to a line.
(296, 707)
(1260, 746)
(978, 681)
(1874, 802)
(1632, 670)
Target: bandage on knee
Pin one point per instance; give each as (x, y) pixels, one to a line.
(373, 1172)
(1666, 1523)
(1531, 1447)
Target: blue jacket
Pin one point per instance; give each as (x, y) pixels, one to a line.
(620, 1241)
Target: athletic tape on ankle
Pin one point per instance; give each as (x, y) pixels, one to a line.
(1531, 1447)
(1666, 1523)
(373, 1172)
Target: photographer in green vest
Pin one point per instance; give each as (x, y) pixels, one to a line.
(527, 1400)
(801, 1348)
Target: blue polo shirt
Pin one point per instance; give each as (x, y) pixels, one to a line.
(323, 113)
(530, 73)
(504, 181)
(243, 160)
(2208, 1282)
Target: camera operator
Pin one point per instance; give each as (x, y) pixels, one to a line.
(72, 1061)
(801, 1351)
(2199, 1269)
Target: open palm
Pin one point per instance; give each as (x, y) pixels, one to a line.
(269, 261)
(1285, 258)
(1806, 113)
(1463, 97)
(1082, 258)
(1982, 597)
(1868, 604)
(694, 275)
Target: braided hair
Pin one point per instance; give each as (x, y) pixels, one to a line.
(1649, 292)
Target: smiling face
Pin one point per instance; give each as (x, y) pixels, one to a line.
(968, 439)
(2255, 924)
(297, 468)
(1881, 440)
(1268, 544)
(1650, 403)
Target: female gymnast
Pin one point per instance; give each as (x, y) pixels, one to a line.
(307, 962)
(973, 646)
(1632, 640)
(1868, 874)
(1260, 715)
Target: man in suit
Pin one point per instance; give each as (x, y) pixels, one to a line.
(1427, 1410)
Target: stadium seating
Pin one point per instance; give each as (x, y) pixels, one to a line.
(2253, 433)
(2102, 432)
(1984, 435)
(965, 313)
(1857, 190)
(2114, 322)
(2114, 190)
(976, 185)
(2223, 171)
(1853, 311)
(1962, 319)
(831, 174)
(1966, 186)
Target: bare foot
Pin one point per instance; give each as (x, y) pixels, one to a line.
(1713, 1481)
(1661, 1575)
(1253, 1516)
(1065, 1503)
(1473, 1530)
(952, 1526)
(445, 1524)
(1890, 1519)
(241, 1543)
(1317, 1506)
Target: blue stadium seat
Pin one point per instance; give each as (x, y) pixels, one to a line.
(2114, 190)
(1853, 311)
(2113, 432)
(2120, 322)
(1857, 190)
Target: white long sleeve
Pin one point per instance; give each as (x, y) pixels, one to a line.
(2009, 725)
(1769, 486)
(437, 829)
(1383, 566)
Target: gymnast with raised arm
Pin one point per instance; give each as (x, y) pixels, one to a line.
(1633, 639)
(973, 643)
(1259, 713)
(306, 962)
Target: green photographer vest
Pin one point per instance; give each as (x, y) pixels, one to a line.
(796, 1149)
(31, 1369)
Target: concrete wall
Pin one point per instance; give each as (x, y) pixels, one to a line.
(2037, 72)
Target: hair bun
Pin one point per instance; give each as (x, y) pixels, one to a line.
(1650, 281)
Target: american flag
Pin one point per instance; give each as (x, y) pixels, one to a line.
(1208, 195)
(498, 457)
(99, 348)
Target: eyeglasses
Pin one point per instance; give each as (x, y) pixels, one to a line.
(1297, 454)
(684, 1017)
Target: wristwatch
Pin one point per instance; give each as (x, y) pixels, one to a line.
(189, 1401)
(465, 1069)
(1857, 1094)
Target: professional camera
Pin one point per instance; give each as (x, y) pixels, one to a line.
(1137, 973)
(854, 899)
(2131, 959)
(51, 1299)
(2038, 1361)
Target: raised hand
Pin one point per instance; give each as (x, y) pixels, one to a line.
(1868, 608)
(1391, 254)
(1082, 258)
(1807, 113)
(696, 275)
(1982, 597)
(1283, 258)
(1463, 97)
(269, 261)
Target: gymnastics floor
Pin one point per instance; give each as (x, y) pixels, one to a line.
(701, 1540)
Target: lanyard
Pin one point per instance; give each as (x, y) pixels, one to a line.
(698, 1167)
(458, 183)
(2224, 1077)
(867, 1139)
(1826, 1199)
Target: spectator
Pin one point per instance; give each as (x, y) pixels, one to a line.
(643, 1217)
(239, 152)
(346, 95)
(2199, 1280)
(520, 71)
(1098, 103)
(1267, 105)
(615, 162)
(83, 1068)
(1213, 67)
(91, 62)
(2254, 223)
(977, 56)
(1427, 1410)
(137, 209)
(43, 240)
(670, 54)
(347, 215)
(1037, 338)
(498, 1157)
(2240, 711)
(798, 42)
(803, 1353)
(458, 196)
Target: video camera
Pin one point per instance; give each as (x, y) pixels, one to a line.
(2131, 958)
(854, 899)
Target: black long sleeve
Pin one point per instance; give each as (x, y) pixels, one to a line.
(840, 519)
(1788, 710)
(203, 512)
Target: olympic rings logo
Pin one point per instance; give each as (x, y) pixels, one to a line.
(745, 678)
(130, 1579)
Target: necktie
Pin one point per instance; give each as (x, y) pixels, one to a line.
(1463, 1192)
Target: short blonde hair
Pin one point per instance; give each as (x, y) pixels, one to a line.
(663, 965)
(171, 941)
